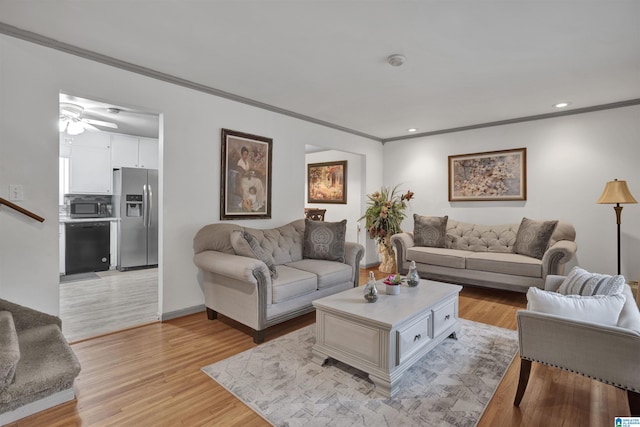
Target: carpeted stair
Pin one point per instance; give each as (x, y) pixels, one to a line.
(37, 365)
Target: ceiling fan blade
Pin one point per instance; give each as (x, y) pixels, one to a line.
(88, 126)
(100, 123)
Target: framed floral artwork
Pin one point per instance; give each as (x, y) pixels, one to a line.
(492, 175)
(245, 184)
(327, 182)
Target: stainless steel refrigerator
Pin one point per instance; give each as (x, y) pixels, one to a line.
(135, 203)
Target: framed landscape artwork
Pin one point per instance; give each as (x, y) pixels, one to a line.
(327, 182)
(245, 184)
(492, 175)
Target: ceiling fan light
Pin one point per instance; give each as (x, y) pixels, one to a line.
(62, 125)
(75, 128)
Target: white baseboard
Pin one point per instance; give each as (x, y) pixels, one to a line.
(37, 406)
(182, 312)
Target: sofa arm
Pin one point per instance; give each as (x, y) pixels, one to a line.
(27, 318)
(401, 242)
(557, 256)
(233, 266)
(606, 353)
(353, 253)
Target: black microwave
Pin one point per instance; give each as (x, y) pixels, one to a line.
(88, 209)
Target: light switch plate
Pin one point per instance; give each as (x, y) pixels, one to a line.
(16, 192)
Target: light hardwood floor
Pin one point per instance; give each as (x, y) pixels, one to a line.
(107, 302)
(150, 376)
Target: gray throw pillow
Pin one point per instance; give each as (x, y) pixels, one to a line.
(533, 237)
(581, 282)
(430, 231)
(324, 240)
(245, 244)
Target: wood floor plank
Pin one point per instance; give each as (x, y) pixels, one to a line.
(150, 376)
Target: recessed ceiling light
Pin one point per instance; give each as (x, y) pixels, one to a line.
(396, 60)
(562, 104)
(412, 129)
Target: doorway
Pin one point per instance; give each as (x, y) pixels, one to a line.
(99, 140)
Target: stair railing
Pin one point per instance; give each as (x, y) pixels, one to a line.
(21, 210)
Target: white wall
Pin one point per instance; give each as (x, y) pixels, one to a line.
(569, 161)
(31, 78)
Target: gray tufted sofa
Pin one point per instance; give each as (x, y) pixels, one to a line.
(482, 255)
(242, 288)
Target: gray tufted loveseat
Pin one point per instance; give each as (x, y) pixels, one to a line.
(242, 287)
(482, 255)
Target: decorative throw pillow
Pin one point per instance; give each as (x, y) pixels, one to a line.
(324, 240)
(245, 244)
(581, 282)
(430, 231)
(533, 237)
(603, 309)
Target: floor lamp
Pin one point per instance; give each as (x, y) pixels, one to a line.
(616, 192)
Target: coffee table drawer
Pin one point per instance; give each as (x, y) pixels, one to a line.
(412, 338)
(444, 316)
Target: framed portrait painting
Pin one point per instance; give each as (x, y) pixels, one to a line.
(246, 176)
(492, 175)
(327, 182)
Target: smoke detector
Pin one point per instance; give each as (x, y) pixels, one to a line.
(396, 60)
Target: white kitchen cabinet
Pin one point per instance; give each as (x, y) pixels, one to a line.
(124, 151)
(134, 152)
(90, 164)
(148, 153)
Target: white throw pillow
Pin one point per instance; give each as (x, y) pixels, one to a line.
(603, 309)
(581, 282)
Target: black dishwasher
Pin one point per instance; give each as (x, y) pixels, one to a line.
(87, 247)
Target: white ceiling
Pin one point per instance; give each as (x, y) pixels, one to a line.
(468, 62)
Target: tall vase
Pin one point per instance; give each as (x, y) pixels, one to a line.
(387, 258)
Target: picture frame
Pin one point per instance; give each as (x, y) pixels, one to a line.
(488, 176)
(245, 184)
(327, 182)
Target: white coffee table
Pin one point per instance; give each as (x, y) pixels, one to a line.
(387, 337)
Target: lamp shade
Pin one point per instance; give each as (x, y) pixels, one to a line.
(616, 192)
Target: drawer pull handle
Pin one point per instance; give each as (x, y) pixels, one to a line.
(417, 337)
(447, 317)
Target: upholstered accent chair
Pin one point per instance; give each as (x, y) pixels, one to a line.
(604, 352)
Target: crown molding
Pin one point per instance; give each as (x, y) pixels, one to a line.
(41, 40)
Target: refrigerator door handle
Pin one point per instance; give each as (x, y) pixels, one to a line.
(149, 205)
(145, 208)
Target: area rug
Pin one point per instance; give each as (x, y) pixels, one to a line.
(449, 386)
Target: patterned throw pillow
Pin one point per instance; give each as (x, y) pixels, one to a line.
(604, 309)
(533, 237)
(581, 282)
(324, 240)
(245, 244)
(430, 231)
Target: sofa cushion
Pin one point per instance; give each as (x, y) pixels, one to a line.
(330, 273)
(438, 256)
(514, 264)
(292, 283)
(324, 240)
(430, 231)
(283, 243)
(245, 244)
(603, 309)
(533, 237)
(581, 282)
(482, 238)
(9, 349)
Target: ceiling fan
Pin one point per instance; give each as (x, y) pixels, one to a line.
(72, 121)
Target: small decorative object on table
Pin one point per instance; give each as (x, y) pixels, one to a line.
(412, 276)
(393, 282)
(370, 290)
